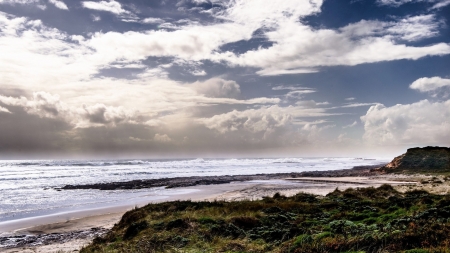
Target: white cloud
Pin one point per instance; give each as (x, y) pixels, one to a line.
(110, 6)
(162, 138)
(191, 43)
(3, 109)
(414, 28)
(264, 119)
(421, 123)
(299, 48)
(298, 93)
(42, 104)
(310, 103)
(351, 125)
(198, 72)
(152, 20)
(426, 84)
(295, 92)
(102, 114)
(277, 72)
(18, 1)
(261, 120)
(283, 87)
(350, 99)
(47, 105)
(351, 105)
(396, 2)
(441, 4)
(96, 18)
(217, 87)
(59, 4)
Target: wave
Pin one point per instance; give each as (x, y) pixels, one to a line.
(34, 178)
(288, 160)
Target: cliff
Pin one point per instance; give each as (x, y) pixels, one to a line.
(420, 160)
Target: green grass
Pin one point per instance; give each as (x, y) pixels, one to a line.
(355, 220)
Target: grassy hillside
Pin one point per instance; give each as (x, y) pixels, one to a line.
(427, 160)
(355, 220)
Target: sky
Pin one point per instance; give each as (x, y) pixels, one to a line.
(229, 78)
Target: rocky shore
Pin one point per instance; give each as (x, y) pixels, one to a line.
(31, 241)
(46, 239)
(209, 180)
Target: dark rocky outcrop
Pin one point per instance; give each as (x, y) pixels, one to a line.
(420, 160)
(46, 239)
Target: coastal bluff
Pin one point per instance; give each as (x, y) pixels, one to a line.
(419, 160)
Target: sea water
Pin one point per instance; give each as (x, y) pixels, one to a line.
(29, 188)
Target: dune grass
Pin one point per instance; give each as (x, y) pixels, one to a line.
(355, 220)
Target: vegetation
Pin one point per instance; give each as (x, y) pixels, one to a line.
(355, 220)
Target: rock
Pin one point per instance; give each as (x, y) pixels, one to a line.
(420, 160)
(209, 180)
(45, 239)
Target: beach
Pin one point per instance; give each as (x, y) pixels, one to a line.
(77, 229)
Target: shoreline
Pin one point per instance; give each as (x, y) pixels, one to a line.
(178, 182)
(321, 184)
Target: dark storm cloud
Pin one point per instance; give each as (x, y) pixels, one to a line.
(24, 133)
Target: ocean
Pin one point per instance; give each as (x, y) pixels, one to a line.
(27, 188)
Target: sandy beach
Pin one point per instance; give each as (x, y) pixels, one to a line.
(104, 219)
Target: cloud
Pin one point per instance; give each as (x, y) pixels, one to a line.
(409, 124)
(351, 105)
(162, 138)
(199, 72)
(296, 94)
(250, 120)
(266, 127)
(4, 110)
(414, 28)
(27, 133)
(110, 6)
(46, 105)
(153, 20)
(350, 99)
(18, 1)
(283, 87)
(264, 119)
(102, 114)
(277, 72)
(59, 4)
(396, 3)
(63, 78)
(310, 103)
(218, 88)
(42, 104)
(426, 84)
(297, 48)
(351, 125)
(301, 48)
(441, 4)
(96, 18)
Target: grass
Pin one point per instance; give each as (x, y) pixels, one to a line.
(355, 220)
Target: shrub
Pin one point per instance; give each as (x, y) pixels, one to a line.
(134, 229)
